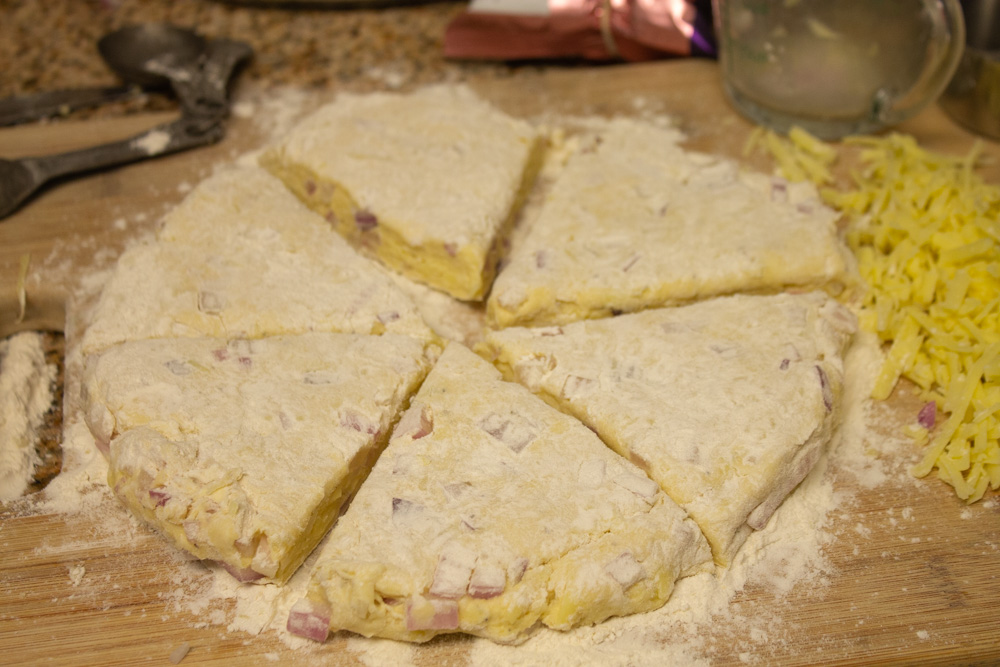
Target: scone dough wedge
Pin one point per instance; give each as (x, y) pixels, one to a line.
(240, 257)
(491, 513)
(634, 221)
(244, 451)
(727, 404)
(429, 182)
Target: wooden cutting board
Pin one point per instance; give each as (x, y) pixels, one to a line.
(915, 574)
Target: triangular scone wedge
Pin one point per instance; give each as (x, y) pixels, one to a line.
(635, 222)
(491, 513)
(241, 257)
(429, 182)
(243, 452)
(727, 403)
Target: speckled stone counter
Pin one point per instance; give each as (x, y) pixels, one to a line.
(52, 44)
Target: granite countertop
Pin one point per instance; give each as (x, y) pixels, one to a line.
(53, 44)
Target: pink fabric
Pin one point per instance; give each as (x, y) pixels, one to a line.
(640, 30)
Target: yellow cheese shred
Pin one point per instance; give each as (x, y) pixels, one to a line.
(22, 292)
(925, 229)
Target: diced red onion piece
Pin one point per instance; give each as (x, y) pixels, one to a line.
(824, 384)
(626, 570)
(263, 561)
(638, 459)
(488, 581)
(928, 415)
(103, 446)
(514, 431)
(456, 490)
(389, 316)
(365, 220)
(319, 377)
(416, 422)
(178, 367)
(548, 331)
(402, 463)
(784, 364)
(209, 303)
(246, 362)
(451, 249)
(541, 259)
(220, 353)
(192, 529)
(309, 619)
(442, 615)
(310, 187)
(161, 497)
(241, 574)
(403, 511)
(358, 422)
(779, 190)
(575, 386)
(517, 569)
(454, 569)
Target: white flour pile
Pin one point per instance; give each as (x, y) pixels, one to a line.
(25, 396)
(786, 558)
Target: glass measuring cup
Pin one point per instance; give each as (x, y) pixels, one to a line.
(836, 67)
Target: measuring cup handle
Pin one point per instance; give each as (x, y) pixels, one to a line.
(947, 46)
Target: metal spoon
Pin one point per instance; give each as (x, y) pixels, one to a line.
(147, 53)
(136, 53)
(202, 86)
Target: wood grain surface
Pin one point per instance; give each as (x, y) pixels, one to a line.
(914, 573)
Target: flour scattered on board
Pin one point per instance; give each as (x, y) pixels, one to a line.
(25, 396)
(76, 573)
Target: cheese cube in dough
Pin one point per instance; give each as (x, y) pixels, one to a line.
(727, 404)
(240, 257)
(428, 182)
(635, 222)
(244, 451)
(491, 513)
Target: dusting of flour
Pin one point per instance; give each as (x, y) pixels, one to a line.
(25, 396)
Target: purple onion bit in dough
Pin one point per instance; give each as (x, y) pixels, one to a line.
(365, 220)
(928, 415)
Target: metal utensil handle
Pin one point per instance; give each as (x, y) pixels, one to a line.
(160, 140)
(203, 90)
(20, 109)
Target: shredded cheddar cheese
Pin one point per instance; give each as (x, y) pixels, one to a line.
(926, 232)
(22, 293)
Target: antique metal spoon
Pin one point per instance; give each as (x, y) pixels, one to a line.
(133, 53)
(201, 83)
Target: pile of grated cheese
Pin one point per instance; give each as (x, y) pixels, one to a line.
(925, 229)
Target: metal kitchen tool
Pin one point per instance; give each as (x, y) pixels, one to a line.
(19, 179)
(135, 53)
(972, 98)
(201, 84)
